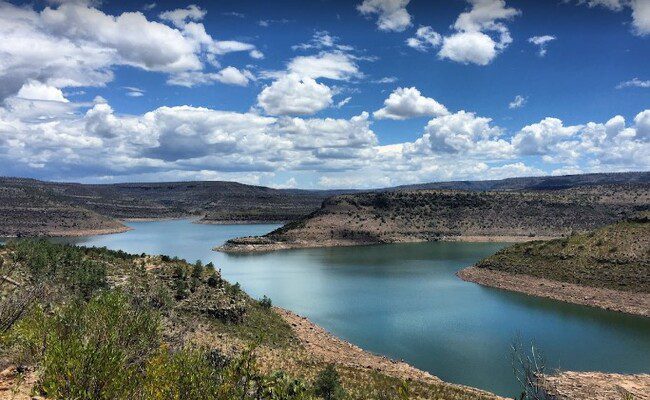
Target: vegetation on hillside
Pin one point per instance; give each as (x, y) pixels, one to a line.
(408, 216)
(616, 256)
(88, 323)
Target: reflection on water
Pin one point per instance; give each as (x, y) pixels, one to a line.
(404, 301)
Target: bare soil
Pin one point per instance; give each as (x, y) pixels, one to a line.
(598, 386)
(608, 299)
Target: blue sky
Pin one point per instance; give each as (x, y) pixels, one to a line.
(289, 93)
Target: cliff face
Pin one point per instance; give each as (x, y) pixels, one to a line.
(454, 215)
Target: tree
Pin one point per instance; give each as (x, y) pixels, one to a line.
(328, 384)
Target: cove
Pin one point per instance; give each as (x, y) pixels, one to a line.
(404, 301)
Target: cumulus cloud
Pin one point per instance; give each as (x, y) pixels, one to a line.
(536, 139)
(518, 102)
(296, 91)
(391, 14)
(636, 82)
(471, 43)
(295, 95)
(75, 44)
(405, 103)
(203, 143)
(34, 90)
(462, 132)
(541, 42)
(424, 39)
(336, 65)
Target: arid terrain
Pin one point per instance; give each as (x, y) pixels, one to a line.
(30, 207)
(607, 268)
(426, 215)
(102, 293)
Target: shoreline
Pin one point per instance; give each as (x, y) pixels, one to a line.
(261, 244)
(73, 233)
(332, 349)
(637, 304)
(238, 222)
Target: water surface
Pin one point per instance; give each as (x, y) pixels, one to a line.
(404, 301)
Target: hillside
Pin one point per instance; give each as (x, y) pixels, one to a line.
(34, 208)
(31, 207)
(608, 267)
(411, 216)
(27, 210)
(98, 324)
(537, 182)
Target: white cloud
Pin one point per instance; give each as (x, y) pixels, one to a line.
(343, 102)
(405, 103)
(469, 47)
(518, 102)
(181, 16)
(424, 39)
(256, 54)
(462, 132)
(75, 45)
(386, 79)
(34, 90)
(541, 42)
(295, 95)
(536, 139)
(642, 125)
(134, 91)
(640, 12)
(228, 76)
(334, 65)
(234, 76)
(471, 42)
(322, 40)
(636, 82)
(392, 14)
(201, 143)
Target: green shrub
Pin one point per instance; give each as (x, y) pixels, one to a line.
(89, 350)
(328, 384)
(266, 302)
(186, 375)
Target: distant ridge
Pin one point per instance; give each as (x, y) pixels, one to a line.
(30, 207)
(536, 182)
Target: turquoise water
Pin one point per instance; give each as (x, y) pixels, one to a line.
(404, 301)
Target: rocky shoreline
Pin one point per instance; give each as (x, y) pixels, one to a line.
(332, 349)
(260, 244)
(608, 299)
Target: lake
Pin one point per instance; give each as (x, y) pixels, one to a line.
(404, 301)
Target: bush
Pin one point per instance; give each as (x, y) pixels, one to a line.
(89, 350)
(266, 302)
(62, 264)
(328, 384)
(186, 374)
(180, 283)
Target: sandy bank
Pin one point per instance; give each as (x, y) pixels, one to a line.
(259, 244)
(608, 299)
(331, 349)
